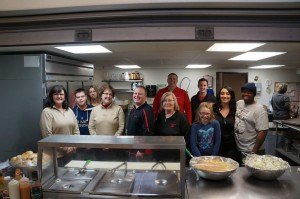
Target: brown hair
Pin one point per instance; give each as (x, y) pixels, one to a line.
(88, 93)
(163, 97)
(282, 88)
(104, 87)
(207, 105)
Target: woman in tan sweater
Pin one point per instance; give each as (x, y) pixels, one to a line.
(106, 118)
(58, 119)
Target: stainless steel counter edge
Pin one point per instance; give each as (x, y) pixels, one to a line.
(119, 142)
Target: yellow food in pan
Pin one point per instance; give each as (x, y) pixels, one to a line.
(214, 165)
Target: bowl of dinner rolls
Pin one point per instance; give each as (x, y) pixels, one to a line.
(27, 162)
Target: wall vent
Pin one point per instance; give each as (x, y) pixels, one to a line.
(83, 35)
(204, 33)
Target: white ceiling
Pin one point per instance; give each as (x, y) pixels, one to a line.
(174, 55)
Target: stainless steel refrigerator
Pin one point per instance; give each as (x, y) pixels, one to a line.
(24, 83)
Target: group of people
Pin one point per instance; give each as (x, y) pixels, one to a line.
(210, 125)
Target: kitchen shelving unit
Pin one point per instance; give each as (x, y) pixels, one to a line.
(122, 90)
(279, 150)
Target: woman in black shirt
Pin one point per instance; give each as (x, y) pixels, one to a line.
(224, 110)
(170, 122)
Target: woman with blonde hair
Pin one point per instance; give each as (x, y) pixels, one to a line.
(205, 132)
(93, 96)
(170, 121)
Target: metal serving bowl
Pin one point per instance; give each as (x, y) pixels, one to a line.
(213, 175)
(268, 172)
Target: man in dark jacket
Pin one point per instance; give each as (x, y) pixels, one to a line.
(141, 118)
(201, 96)
(281, 103)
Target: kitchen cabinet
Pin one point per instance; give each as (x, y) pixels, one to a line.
(286, 149)
(114, 171)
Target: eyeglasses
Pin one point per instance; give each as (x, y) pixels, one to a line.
(164, 101)
(59, 94)
(110, 94)
(203, 113)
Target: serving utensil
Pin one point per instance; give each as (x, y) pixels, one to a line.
(83, 169)
(112, 171)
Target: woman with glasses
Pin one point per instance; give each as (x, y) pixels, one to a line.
(93, 96)
(58, 118)
(107, 118)
(170, 122)
(224, 109)
(205, 132)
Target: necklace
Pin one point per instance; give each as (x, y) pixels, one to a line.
(168, 115)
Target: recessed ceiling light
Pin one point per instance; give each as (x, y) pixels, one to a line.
(234, 47)
(84, 49)
(127, 66)
(266, 66)
(197, 66)
(255, 56)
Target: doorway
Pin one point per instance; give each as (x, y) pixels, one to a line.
(234, 80)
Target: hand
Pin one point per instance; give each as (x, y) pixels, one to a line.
(139, 154)
(70, 149)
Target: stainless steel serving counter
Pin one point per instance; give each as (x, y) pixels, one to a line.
(239, 185)
(106, 179)
(242, 185)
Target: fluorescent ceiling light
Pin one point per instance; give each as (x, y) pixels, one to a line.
(127, 66)
(197, 66)
(255, 56)
(266, 66)
(85, 49)
(234, 47)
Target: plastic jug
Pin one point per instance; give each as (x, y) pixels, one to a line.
(13, 189)
(25, 188)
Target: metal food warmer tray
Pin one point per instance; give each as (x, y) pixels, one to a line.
(121, 181)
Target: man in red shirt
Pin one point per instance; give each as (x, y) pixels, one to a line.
(181, 95)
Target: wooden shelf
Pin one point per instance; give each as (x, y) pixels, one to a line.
(131, 80)
(289, 155)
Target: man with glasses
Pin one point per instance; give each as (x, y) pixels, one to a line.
(251, 123)
(181, 95)
(82, 111)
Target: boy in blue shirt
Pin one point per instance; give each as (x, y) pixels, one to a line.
(82, 111)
